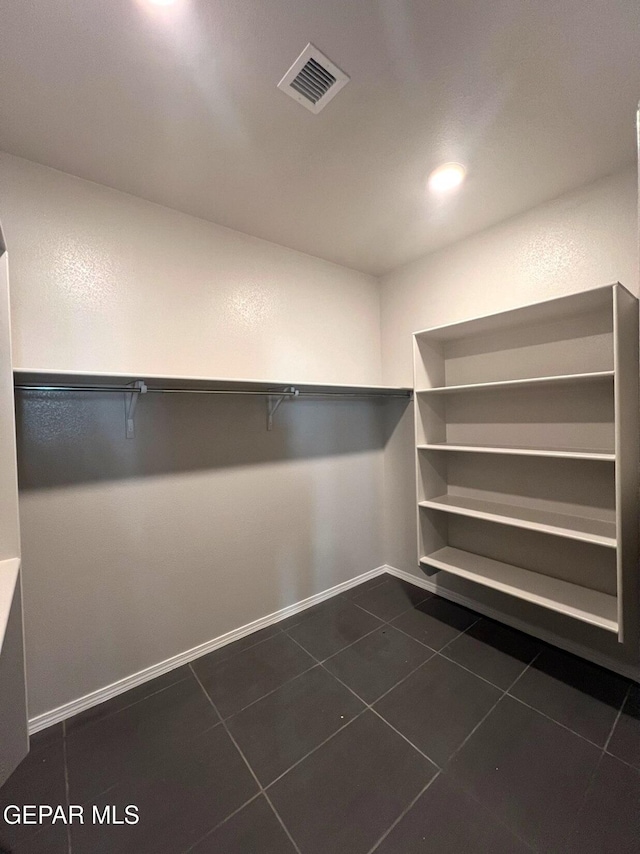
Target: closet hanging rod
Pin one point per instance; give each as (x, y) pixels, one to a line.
(261, 393)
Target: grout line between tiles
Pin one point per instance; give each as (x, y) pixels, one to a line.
(615, 723)
(313, 749)
(128, 706)
(282, 824)
(66, 779)
(395, 617)
(221, 823)
(369, 706)
(490, 812)
(464, 631)
(483, 719)
(472, 672)
(404, 812)
(240, 651)
(355, 694)
(624, 761)
(553, 720)
(594, 773)
(404, 737)
(507, 693)
(319, 660)
(247, 763)
(269, 693)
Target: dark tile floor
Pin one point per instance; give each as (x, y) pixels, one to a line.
(384, 719)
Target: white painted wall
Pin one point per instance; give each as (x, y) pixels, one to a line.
(104, 281)
(135, 551)
(579, 241)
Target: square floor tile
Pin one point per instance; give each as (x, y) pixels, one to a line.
(446, 821)
(322, 607)
(124, 744)
(280, 729)
(493, 651)
(39, 779)
(254, 830)
(330, 631)
(436, 621)
(609, 822)
(236, 682)
(359, 589)
(178, 802)
(374, 664)
(231, 649)
(48, 737)
(580, 695)
(438, 706)
(129, 698)
(528, 771)
(391, 599)
(50, 840)
(625, 741)
(348, 792)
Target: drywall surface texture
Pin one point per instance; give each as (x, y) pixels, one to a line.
(103, 281)
(581, 241)
(138, 550)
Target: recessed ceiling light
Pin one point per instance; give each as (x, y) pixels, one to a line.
(162, 2)
(447, 177)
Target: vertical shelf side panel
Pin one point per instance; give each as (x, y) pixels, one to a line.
(625, 325)
(14, 738)
(9, 527)
(428, 371)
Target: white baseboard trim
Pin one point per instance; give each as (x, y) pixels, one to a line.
(627, 670)
(68, 710)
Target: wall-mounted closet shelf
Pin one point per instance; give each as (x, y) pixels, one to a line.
(596, 531)
(9, 570)
(582, 603)
(527, 447)
(563, 453)
(136, 385)
(536, 314)
(42, 380)
(523, 383)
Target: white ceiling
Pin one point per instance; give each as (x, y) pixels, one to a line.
(180, 106)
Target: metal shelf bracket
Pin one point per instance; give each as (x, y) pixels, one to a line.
(274, 402)
(130, 404)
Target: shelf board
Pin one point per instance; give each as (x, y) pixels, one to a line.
(8, 576)
(534, 314)
(587, 530)
(34, 376)
(524, 383)
(564, 453)
(581, 603)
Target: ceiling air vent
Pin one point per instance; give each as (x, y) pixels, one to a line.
(313, 80)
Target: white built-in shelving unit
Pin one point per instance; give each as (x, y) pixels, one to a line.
(527, 454)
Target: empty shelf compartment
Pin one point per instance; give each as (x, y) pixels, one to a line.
(581, 603)
(598, 531)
